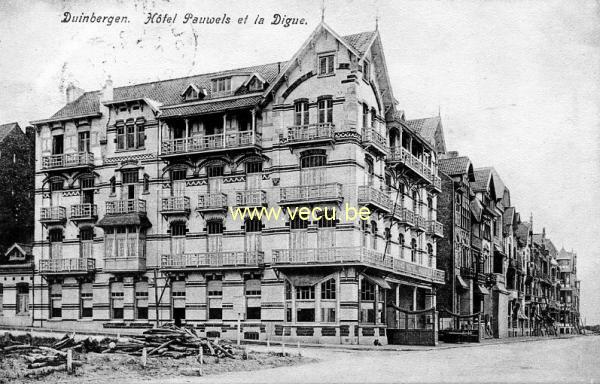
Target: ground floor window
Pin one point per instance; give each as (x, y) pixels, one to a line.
(178, 301)
(87, 298)
(55, 301)
(305, 315)
(253, 299)
(141, 300)
(116, 300)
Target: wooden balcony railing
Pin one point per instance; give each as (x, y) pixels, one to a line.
(435, 228)
(175, 204)
(402, 155)
(311, 193)
(125, 264)
(125, 206)
(370, 195)
(220, 141)
(420, 222)
(361, 255)
(212, 201)
(53, 214)
(84, 211)
(209, 260)
(67, 266)
(68, 160)
(250, 198)
(372, 137)
(404, 216)
(310, 132)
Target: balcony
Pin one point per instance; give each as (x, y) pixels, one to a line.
(370, 196)
(117, 207)
(84, 212)
(212, 202)
(125, 264)
(72, 266)
(404, 216)
(175, 205)
(53, 215)
(68, 161)
(374, 140)
(220, 142)
(436, 182)
(420, 223)
(319, 257)
(213, 260)
(318, 193)
(251, 198)
(310, 134)
(399, 155)
(468, 273)
(435, 228)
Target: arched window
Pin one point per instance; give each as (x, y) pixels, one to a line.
(370, 168)
(374, 233)
(401, 245)
(430, 254)
(313, 160)
(415, 199)
(413, 250)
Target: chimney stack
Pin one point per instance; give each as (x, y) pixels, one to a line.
(452, 154)
(73, 93)
(108, 90)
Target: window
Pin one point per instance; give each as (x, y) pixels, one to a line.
(298, 223)
(367, 290)
(56, 185)
(214, 170)
(113, 185)
(116, 300)
(178, 174)
(288, 290)
(214, 227)
(306, 315)
(413, 250)
(55, 300)
(222, 85)
(430, 254)
(253, 291)
(301, 112)
(178, 229)
(328, 315)
(1, 298)
(255, 85)
(178, 301)
(215, 288)
(253, 287)
(326, 64)
(328, 290)
(84, 142)
(56, 235)
(22, 298)
(252, 225)
(313, 160)
(373, 118)
(255, 166)
(305, 293)
(86, 300)
(401, 244)
(365, 116)
(192, 94)
(374, 232)
(130, 136)
(141, 300)
(131, 176)
(366, 70)
(86, 242)
(325, 111)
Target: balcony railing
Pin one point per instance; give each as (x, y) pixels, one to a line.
(84, 211)
(175, 204)
(310, 132)
(53, 214)
(208, 260)
(372, 137)
(220, 141)
(437, 182)
(212, 201)
(404, 216)
(420, 222)
(361, 255)
(116, 207)
(125, 264)
(311, 193)
(67, 266)
(370, 195)
(250, 198)
(435, 228)
(400, 154)
(68, 160)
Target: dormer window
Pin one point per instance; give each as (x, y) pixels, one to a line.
(222, 85)
(192, 92)
(326, 65)
(255, 84)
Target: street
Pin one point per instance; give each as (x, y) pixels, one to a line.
(550, 360)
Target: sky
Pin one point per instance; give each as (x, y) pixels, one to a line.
(516, 82)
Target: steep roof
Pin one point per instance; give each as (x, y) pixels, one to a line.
(563, 254)
(522, 233)
(6, 129)
(426, 128)
(360, 41)
(508, 216)
(482, 179)
(454, 165)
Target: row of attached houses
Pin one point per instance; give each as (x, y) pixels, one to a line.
(136, 191)
(495, 265)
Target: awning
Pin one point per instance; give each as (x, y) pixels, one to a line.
(125, 219)
(498, 249)
(377, 280)
(482, 289)
(522, 316)
(210, 106)
(304, 280)
(461, 282)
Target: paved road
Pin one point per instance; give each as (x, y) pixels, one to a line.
(559, 360)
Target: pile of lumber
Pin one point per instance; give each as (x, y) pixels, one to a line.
(170, 341)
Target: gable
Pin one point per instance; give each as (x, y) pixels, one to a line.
(193, 92)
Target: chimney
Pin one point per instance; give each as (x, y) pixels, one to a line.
(452, 154)
(73, 92)
(107, 90)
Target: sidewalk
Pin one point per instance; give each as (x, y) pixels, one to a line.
(293, 345)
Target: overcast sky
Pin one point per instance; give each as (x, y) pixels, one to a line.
(517, 82)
